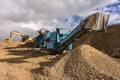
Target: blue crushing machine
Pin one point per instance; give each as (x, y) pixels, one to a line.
(62, 39)
(51, 40)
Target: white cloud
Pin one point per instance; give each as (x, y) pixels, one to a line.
(49, 14)
(113, 11)
(115, 18)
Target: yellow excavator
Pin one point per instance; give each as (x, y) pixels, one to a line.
(25, 38)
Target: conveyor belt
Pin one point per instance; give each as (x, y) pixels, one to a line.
(76, 33)
(97, 22)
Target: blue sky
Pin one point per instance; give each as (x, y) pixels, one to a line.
(112, 9)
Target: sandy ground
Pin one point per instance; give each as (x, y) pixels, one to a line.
(84, 62)
(22, 63)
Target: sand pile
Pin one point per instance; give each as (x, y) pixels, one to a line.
(108, 42)
(100, 61)
(88, 63)
(17, 44)
(11, 44)
(83, 63)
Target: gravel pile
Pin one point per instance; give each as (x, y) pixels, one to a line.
(83, 63)
(87, 63)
